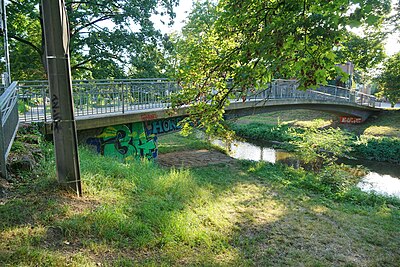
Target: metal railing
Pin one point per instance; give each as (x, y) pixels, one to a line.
(288, 89)
(93, 97)
(8, 123)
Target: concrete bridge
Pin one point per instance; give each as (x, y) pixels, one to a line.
(123, 117)
(102, 103)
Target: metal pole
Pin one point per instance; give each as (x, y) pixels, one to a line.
(3, 158)
(7, 79)
(60, 84)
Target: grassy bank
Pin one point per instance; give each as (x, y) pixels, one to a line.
(377, 139)
(386, 123)
(241, 214)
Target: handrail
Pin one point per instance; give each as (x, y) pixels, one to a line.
(113, 81)
(8, 124)
(93, 97)
(7, 93)
(7, 101)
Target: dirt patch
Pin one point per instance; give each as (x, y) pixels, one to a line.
(193, 158)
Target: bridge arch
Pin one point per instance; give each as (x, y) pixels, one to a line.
(243, 109)
(123, 117)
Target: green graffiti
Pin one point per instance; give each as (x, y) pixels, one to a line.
(126, 143)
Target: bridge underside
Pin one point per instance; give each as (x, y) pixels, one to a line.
(234, 110)
(134, 134)
(237, 109)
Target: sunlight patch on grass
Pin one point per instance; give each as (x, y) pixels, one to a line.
(382, 131)
(317, 123)
(241, 214)
(319, 209)
(98, 247)
(29, 245)
(176, 142)
(299, 118)
(23, 235)
(31, 256)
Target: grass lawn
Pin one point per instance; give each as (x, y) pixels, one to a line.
(387, 123)
(175, 142)
(237, 214)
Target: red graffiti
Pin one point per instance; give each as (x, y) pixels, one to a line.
(149, 117)
(352, 120)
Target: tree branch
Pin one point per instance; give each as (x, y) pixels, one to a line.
(91, 23)
(22, 40)
(79, 65)
(82, 68)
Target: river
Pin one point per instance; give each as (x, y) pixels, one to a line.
(382, 178)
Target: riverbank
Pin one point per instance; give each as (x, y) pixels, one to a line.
(237, 213)
(377, 139)
(387, 123)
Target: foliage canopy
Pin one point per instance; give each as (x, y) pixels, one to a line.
(250, 42)
(389, 79)
(108, 38)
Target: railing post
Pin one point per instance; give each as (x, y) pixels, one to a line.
(123, 97)
(44, 102)
(3, 166)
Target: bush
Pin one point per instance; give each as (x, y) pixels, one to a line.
(322, 145)
(378, 148)
(259, 131)
(23, 107)
(337, 179)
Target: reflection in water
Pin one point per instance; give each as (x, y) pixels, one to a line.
(242, 150)
(248, 151)
(381, 184)
(384, 178)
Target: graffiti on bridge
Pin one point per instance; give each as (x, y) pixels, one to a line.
(133, 141)
(125, 142)
(163, 126)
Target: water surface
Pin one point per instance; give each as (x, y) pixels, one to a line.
(383, 178)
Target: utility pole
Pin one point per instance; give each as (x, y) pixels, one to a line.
(3, 28)
(62, 106)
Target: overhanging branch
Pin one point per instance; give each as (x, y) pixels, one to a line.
(22, 40)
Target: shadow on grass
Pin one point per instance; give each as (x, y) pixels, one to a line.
(240, 214)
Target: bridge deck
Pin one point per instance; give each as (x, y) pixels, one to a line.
(99, 103)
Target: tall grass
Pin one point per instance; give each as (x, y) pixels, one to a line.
(245, 214)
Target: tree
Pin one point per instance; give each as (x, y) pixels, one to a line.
(25, 39)
(395, 18)
(364, 52)
(250, 42)
(389, 79)
(107, 37)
